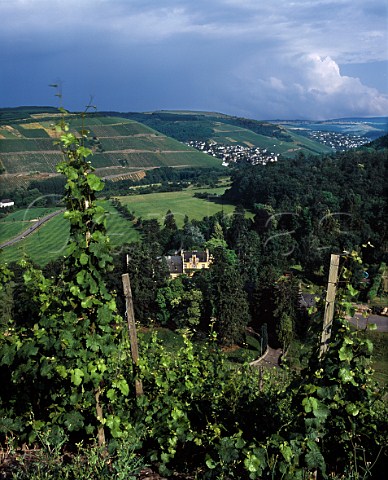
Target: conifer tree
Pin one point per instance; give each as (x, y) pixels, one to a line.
(230, 305)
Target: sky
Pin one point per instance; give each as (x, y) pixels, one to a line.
(261, 59)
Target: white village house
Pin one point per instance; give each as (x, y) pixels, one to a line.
(6, 202)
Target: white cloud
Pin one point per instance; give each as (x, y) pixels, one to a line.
(276, 84)
(335, 92)
(323, 75)
(311, 87)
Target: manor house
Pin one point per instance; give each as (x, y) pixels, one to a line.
(188, 262)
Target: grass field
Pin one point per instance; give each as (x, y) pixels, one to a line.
(18, 221)
(119, 229)
(49, 241)
(155, 205)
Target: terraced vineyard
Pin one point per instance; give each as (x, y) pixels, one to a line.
(129, 144)
(120, 147)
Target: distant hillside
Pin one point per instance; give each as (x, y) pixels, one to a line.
(369, 127)
(228, 130)
(379, 143)
(8, 115)
(121, 147)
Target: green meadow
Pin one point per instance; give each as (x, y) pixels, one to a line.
(45, 244)
(49, 241)
(155, 205)
(119, 229)
(16, 222)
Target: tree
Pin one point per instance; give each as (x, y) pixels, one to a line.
(238, 228)
(151, 231)
(169, 232)
(192, 237)
(179, 304)
(285, 331)
(218, 233)
(250, 260)
(169, 222)
(262, 304)
(229, 300)
(286, 303)
(147, 273)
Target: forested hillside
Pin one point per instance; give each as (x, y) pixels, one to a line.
(326, 203)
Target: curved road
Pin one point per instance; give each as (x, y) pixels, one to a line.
(269, 359)
(31, 229)
(361, 322)
(358, 320)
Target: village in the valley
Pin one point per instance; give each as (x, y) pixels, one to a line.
(338, 141)
(235, 153)
(231, 154)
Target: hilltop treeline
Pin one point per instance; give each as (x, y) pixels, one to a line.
(16, 114)
(165, 179)
(186, 127)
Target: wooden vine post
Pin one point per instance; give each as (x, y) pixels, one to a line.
(329, 305)
(132, 331)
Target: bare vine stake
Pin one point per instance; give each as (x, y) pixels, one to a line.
(261, 381)
(329, 314)
(329, 305)
(132, 331)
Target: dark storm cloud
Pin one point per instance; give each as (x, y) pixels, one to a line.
(245, 57)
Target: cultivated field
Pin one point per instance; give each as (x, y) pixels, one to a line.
(28, 149)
